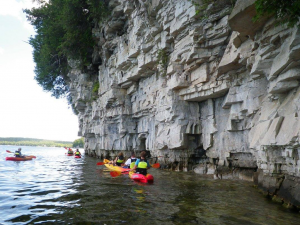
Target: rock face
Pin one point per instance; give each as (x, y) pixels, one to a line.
(211, 92)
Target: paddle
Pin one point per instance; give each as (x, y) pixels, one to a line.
(102, 163)
(156, 165)
(115, 173)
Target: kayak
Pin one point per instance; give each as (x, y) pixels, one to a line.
(26, 158)
(77, 156)
(115, 168)
(141, 178)
(69, 154)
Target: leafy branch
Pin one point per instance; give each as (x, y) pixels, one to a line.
(63, 31)
(284, 11)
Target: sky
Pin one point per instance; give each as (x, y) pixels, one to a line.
(25, 109)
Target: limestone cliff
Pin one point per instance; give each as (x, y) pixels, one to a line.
(211, 92)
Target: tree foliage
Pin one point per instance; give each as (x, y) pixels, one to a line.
(63, 31)
(202, 5)
(78, 143)
(284, 11)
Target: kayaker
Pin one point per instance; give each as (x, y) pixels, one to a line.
(142, 165)
(119, 160)
(131, 161)
(18, 153)
(77, 152)
(70, 151)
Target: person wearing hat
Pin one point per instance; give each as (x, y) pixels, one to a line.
(18, 153)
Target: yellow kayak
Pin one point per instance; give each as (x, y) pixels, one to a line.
(114, 168)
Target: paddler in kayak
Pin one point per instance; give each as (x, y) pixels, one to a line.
(18, 153)
(119, 160)
(131, 161)
(77, 152)
(70, 151)
(141, 165)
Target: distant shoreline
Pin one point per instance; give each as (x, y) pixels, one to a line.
(34, 142)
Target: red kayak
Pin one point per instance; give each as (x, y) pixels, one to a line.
(77, 156)
(69, 154)
(141, 178)
(26, 158)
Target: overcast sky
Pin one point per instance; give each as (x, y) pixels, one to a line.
(25, 109)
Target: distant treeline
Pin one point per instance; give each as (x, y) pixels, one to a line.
(34, 142)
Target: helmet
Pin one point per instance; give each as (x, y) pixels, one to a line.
(19, 149)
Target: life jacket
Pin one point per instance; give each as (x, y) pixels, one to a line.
(18, 154)
(120, 160)
(77, 153)
(142, 167)
(132, 164)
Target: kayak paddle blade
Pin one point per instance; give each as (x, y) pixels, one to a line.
(9, 151)
(100, 163)
(156, 165)
(115, 173)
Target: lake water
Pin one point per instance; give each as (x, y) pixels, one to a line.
(59, 189)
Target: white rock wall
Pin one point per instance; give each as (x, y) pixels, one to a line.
(227, 99)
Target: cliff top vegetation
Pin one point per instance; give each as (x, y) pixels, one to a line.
(285, 12)
(63, 32)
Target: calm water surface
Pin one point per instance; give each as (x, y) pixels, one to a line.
(59, 189)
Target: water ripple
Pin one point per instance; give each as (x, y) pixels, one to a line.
(57, 189)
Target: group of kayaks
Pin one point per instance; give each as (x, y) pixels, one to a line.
(117, 170)
(30, 157)
(71, 153)
(75, 156)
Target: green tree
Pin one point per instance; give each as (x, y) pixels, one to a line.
(78, 143)
(284, 11)
(63, 31)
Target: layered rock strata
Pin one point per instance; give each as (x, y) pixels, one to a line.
(211, 92)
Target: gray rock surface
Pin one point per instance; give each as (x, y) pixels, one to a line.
(210, 92)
